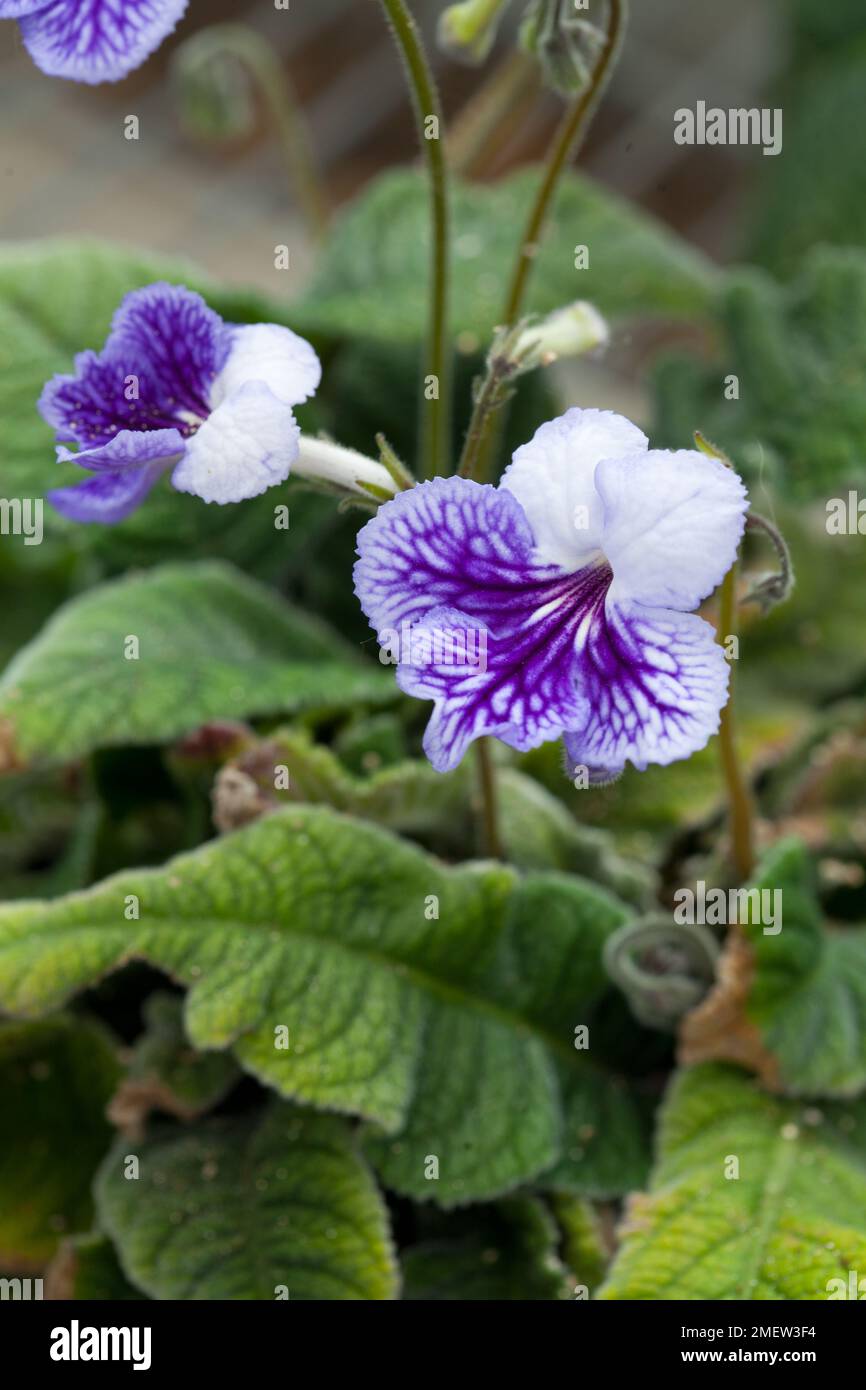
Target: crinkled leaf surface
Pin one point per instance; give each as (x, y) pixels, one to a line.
(440, 1004)
(805, 992)
(211, 644)
(56, 1077)
(794, 1219)
(243, 1207)
(799, 353)
(371, 281)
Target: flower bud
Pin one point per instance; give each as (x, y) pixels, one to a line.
(468, 30)
(568, 332)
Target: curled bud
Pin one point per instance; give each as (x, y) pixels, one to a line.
(214, 87)
(468, 30)
(565, 44)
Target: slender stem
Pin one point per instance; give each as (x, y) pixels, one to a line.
(489, 801)
(740, 807)
(487, 402)
(567, 140)
(435, 434)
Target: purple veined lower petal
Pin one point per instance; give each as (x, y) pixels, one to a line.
(673, 522)
(553, 479)
(97, 40)
(652, 682)
(448, 542)
(107, 497)
(521, 683)
(274, 355)
(128, 449)
(246, 446)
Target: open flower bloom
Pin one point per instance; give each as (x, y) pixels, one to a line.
(579, 572)
(177, 388)
(92, 40)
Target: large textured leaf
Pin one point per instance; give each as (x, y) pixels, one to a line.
(56, 299)
(410, 797)
(793, 1003)
(792, 1220)
(371, 282)
(56, 1077)
(799, 353)
(274, 1205)
(212, 644)
(440, 1004)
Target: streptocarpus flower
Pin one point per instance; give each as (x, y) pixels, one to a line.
(92, 40)
(582, 569)
(177, 388)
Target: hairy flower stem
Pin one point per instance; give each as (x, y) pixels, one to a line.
(492, 845)
(566, 142)
(435, 432)
(740, 809)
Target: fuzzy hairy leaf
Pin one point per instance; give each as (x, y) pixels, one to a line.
(792, 1221)
(212, 644)
(801, 991)
(241, 1208)
(799, 352)
(56, 1077)
(440, 1004)
(371, 282)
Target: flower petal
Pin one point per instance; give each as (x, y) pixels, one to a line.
(521, 689)
(156, 370)
(248, 444)
(97, 40)
(652, 683)
(128, 449)
(449, 541)
(553, 478)
(275, 355)
(107, 497)
(673, 522)
(15, 9)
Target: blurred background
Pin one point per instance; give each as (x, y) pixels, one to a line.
(67, 167)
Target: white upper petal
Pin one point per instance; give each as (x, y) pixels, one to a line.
(553, 479)
(271, 354)
(672, 525)
(247, 445)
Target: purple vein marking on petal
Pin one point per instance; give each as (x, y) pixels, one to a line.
(97, 40)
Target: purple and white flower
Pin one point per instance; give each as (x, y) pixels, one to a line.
(177, 388)
(583, 567)
(92, 40)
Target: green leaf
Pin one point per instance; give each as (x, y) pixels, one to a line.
(820, 99)
(351, 971)
(792, 1221)
(212, 644)
(410, 797)
(56, 1078)
(165, 1073)
(803, 988)
(799, 353)
(505, 1251)
(272, 1205)
(371, 281)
